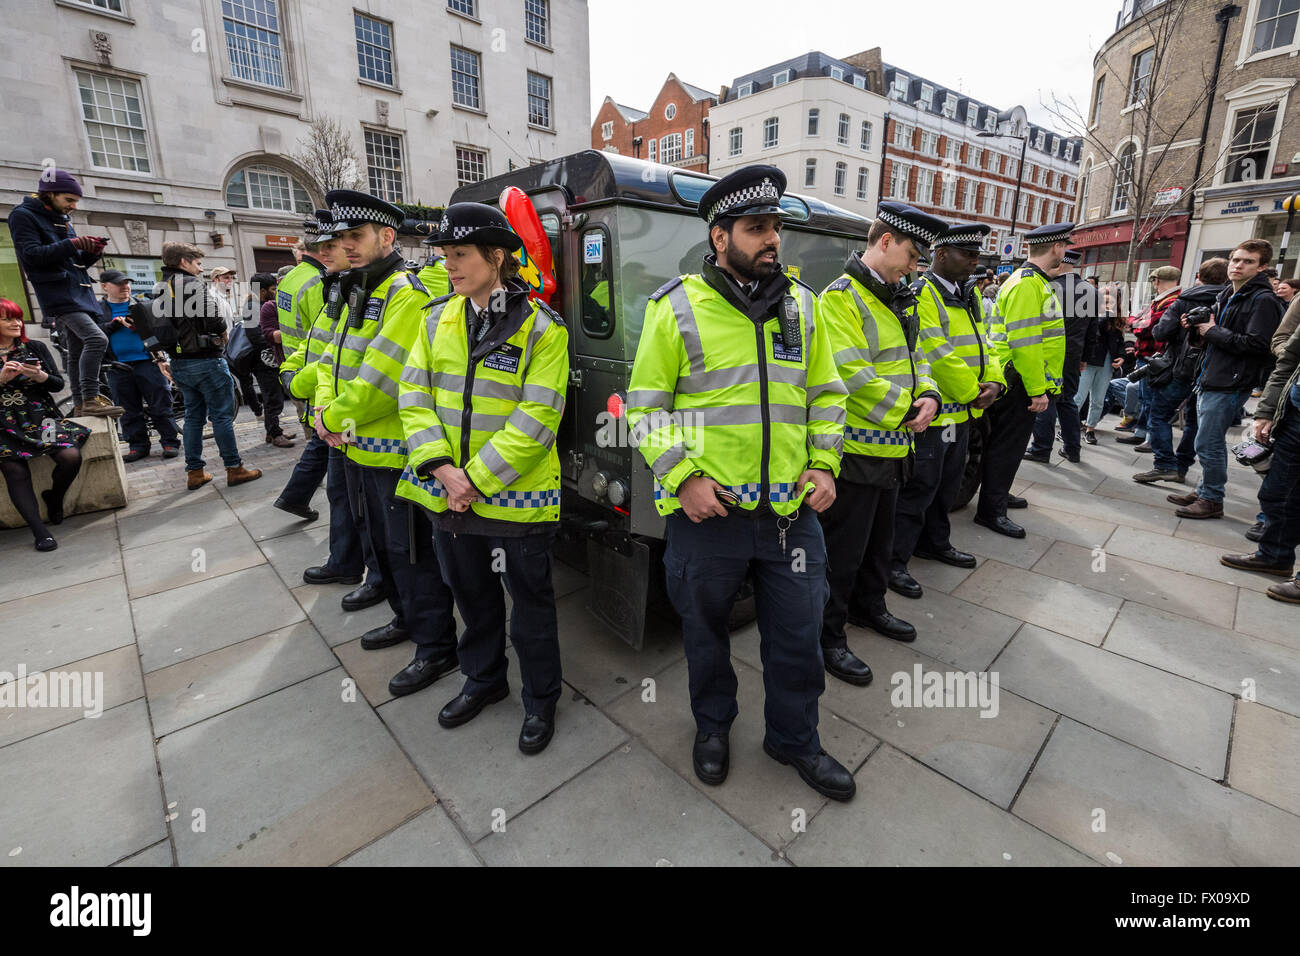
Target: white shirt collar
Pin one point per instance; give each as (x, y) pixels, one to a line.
(949, 287)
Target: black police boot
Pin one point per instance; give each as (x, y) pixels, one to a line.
(1002, 525)
(322, 574)
(419, 674)
(711, 757)
(886, 625)
(368, 595)
(385, 635)
(306, 512)
(463, 708)
(1015, 501)
(949, 555)
(536, 733)
(900, 582)
(822, 772)
(843, 663)
(1042, 457)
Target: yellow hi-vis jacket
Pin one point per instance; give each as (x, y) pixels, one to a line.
(433, 276)
(359, 371)
(298, 300)
(299, 369)
(492, 410)
(1029, 330)
(954, 343)
(717, 393)
(883, 374)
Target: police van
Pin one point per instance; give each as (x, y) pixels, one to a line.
(619, 228)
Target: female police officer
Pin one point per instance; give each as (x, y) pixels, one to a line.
(480, 402)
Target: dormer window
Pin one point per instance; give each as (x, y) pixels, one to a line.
(950, 105)
(927, 94)
(859, 81)
(744, 89)
(782, 78)
(899, 89)
(837, 73)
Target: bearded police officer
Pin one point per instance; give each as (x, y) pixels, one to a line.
(1028, 337)
(737, 408)
(954, 344)
(356, 399)
(874, 329)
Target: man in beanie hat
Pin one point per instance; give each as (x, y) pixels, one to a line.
(54, 258)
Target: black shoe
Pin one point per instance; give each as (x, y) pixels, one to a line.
(302, 511)
(385, 636)
(1071, 456)
(419, 674)
(958, 559)
(53, 509)
(324, 575)
(535, 734)
(843, 663)
(1002, 525)
(463, 708)
(822, 772)
(171, 451)
(1145, 448)
(135, 454)
(900, 582)
(1130, 440)
(1090, 437)
(45, 544)
(1042, 457)
(1253, 562)
(1015, 501)
(885, 624)
(368, 595)
(1255, 532)
(711, 757)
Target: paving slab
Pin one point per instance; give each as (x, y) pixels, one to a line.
(1063, 526)
(1263, 761)
(190, 621)
(1154, 813)
(1181, 554)
(598, 663)
(1079, 612)
(477, 768)
(196, 689)
(957, 632)
(1152, 517)
(320, 602)
(268, 486)
(1019, 552)
(627, 810)
(431, 839)
(1227, 533)
(89, 793)
(75, 531)
(263, 520)
(1152, 495)
(566, 579)
(758, 792)
(256, 772)
(1077, 478)
(1233, 662)
(291, 554)
(177, 496)
(1261, 616)
(180, 561)
(1184, 594)
(905, 814)
(95, 555)
(1170, 716)
(38, 633)
(937, 576)
(160, 854)
(118, 681)
(372, 670)
(182, 521)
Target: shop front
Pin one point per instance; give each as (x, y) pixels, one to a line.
(1105, 250)
(1231, 214)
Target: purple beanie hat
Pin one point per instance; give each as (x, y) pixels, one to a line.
(58, 181)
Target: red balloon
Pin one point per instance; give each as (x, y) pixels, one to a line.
(535, 266)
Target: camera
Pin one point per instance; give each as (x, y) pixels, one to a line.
(1157, 365)
(1253, 454)
(210, 341)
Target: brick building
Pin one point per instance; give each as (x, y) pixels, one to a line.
(675, 130)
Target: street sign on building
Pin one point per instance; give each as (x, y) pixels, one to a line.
(1167, 197)
(281, 242)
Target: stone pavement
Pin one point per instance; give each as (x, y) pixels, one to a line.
(1147, 708)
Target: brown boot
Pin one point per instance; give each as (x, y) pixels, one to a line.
(196, 479)
(1253, 562)
(100, 407)
(1183, 500)
(1289, 592)
(239, 474)
(1201, 508)
(279, 441)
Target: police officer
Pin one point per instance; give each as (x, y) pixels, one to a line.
(433, 274)
(481, 401)
(356, 399)
(953, 342)
(874, 330)
(737, 408)
(1080, 306)
(1028, 337)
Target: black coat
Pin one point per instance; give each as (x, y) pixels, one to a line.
(1169, 329)
(1238, 352)
(56, 270)
(1081, 305)
(186, 303)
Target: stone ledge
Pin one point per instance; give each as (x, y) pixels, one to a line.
(101, 485)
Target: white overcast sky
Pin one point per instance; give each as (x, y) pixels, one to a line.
(1005, 53)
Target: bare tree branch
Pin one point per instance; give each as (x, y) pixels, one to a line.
(329, 157)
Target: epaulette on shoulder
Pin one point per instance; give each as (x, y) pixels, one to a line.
(555, 316)
(417, 284)
(664, 289)
(918, 285)
(840, 284)
(1026, 273)
(797, 281)
(441, 300)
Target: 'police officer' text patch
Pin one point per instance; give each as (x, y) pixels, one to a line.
(504, 359)
(372, 309)
(782, 353)
(283, 301)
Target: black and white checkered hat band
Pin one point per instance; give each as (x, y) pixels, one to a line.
(1051, 237)
(310, 227)
(364, 214)
(905, 226)
(960, 238)
(459, 232)
(764, 192)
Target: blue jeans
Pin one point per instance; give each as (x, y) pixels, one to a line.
(1216, 412)
(1279, 496)
(1093, 382)
(1160, 430)
(143, 390)
(209, 393)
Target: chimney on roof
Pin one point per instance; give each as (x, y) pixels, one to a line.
(722, 95)
(869, 62)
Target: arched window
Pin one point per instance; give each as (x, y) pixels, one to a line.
(267, 188)
(1123, 179)
(1085, 187)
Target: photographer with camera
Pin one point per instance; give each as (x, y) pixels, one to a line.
(188, 323)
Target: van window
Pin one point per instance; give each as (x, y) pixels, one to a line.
(597, 300)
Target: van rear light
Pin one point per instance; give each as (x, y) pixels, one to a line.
(616, 405)
(617, 492)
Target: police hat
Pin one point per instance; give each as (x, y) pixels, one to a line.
(751, 191)
(964, 235)
(1072, 257)
(473, 223)
(1045, 235)
(351, 208)
(920, 227)
(311, 226)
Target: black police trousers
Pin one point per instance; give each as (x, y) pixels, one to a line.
(705, 565)
(859, 531)
(475, 566)
(1010, 425)
(937, 470)
(402, 539)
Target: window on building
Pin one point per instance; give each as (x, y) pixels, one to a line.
(1023, 213)
(781, 78)
(864, 141)
(859, 81)
(899, 89)
(948, 195)
(1085, 186)
(689, 149)
(771, 132)
(744, 89)
(1040, 138)
(950, 105)
(968, 199)
(1252, 138)
(539, 100)
(976, 157)
(1004, 203)
(898, 176)
(374, 49)
(1140, 80)
(814, 120)
(927, 94)
(112, 110)
(929, 142)
(670, 112)
(1097, 92)
(925, 187)
(464, 77)
(384, 165)
(114, 5)
(1070, 151)
(670, 148)
(1012, 165)
(471, 165)
(252, 29)
(841, 178)
(902, 135)
(991, 121)
(842, 134)
(265, 187)
(1123, 179)
(537, 22)
(467, 7)
(653, 150)
(607, 130)
(990, 199)
(837, 73)
(809, 173)
(1275, 24)
(735, 140)
(864, 182)
(972, 115)
(951, 150)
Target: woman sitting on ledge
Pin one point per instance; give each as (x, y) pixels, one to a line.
(30, 425)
